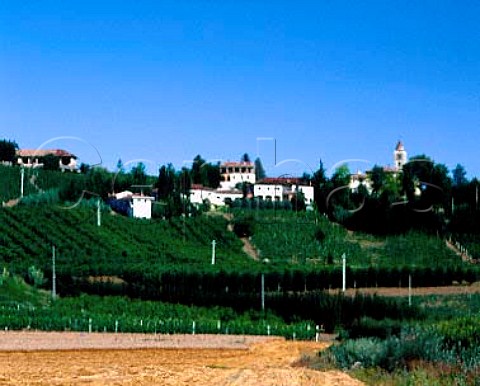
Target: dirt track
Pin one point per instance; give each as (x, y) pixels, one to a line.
(266, 362)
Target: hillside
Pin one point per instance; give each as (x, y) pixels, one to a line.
(305, 238)
(121, 244)
(166, 259)
(35, 181)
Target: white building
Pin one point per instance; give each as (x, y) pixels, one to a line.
(215, 197)
(283, 189)
(360, 179)
(233, 173)
(308, 193)
(141, 206)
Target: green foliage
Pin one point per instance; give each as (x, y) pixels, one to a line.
(205, 173)
(124, 315)
(48, 197)
(8, 150)
(14, 292)
(119, 245)
(50, 162)
(35, 276)
(38, 181)
(459, 176)
(139, 174)
(259, 170)
(244, 226)
(462, 331)
(418, 249)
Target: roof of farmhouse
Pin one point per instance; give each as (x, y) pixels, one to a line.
(44, 152)
(232, 163)
(282, 181)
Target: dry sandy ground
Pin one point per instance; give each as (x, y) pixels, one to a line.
(418, 291)
(35, 358)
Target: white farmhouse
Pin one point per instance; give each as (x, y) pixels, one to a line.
(33, 158)
(215, 197)
(283, 189)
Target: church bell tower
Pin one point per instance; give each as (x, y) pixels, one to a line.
(399, 156)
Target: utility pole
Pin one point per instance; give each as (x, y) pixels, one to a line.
(409, 290)
(344, 272)
(22, 179)
(54, 276)
(213, 251)
(99, 214)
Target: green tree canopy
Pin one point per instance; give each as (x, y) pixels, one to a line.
(259, 170)
(459, 176)
(50, 162)
(245, 158)
(8, 150)
(166, 182)
(378, 178)
(139, 174)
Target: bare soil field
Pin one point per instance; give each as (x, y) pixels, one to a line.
(41, 358)
(420, 291)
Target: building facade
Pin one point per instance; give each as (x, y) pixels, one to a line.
(283, 189)
(233, 173)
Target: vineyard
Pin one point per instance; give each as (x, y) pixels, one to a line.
(27, 234)
(170, 260)
(288, 237)
(290, 315)
(35, 181)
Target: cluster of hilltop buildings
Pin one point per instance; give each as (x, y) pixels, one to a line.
(277, 189)
(235, 176)
(400, 158)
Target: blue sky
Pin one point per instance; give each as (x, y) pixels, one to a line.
(166, 80)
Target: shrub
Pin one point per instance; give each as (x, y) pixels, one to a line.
(369, 352)
(35, 276)
(244, 226)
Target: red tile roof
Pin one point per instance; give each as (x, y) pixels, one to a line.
(231, 163)
(43, 153)
(400, 146)
(282, 181)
